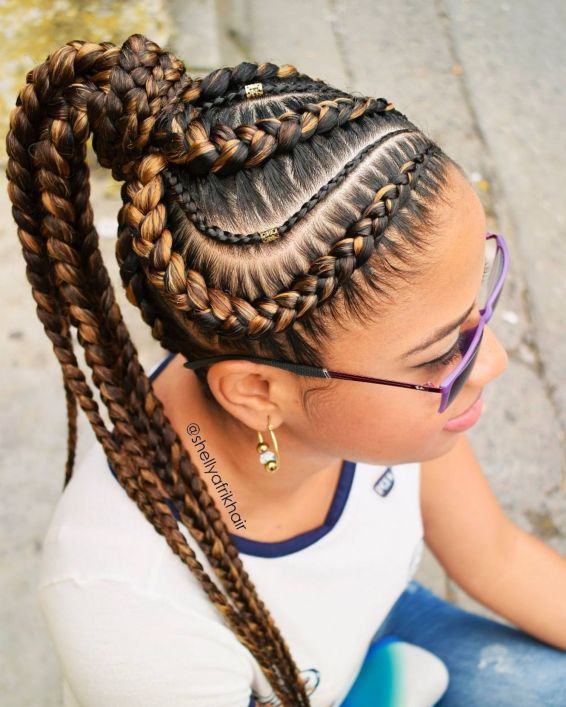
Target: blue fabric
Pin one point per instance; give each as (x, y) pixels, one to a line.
(387, 677)
(489, 663)
(298, 542)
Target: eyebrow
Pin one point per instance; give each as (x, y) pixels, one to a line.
(440, 333)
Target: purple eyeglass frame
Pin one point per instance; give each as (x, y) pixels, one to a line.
(473, 337)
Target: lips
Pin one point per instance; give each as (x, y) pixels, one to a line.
(467, 409)
(465, 419)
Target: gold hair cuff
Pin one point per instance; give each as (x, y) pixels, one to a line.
(254, 90)
(270, 235)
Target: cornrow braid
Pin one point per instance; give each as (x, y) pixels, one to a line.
(192, 211)
(225, 86)
(218, 83)
(152, 125)
(191, 140)
(231, 317)
(274, 87)
(208, 537)
(271, 86)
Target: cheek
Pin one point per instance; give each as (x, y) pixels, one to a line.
(392, 425)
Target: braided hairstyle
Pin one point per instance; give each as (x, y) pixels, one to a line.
(251, 197)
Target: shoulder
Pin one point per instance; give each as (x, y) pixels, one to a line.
(453, 483)
(121, 645)
(464, 525)
(96, 530)
(110, 596)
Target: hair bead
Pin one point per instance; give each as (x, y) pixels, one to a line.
(271, 234)
(253, 90)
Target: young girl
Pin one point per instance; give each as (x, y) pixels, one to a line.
(246, 529)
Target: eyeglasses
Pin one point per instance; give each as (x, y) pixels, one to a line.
(497, 264)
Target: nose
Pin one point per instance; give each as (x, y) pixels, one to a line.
(491, 362)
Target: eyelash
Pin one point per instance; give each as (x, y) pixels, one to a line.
(449, 357)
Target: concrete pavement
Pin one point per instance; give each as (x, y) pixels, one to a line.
(485, 80)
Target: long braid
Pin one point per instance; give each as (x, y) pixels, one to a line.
(144, 113)
(226, 560)
(118, 421)
(58, 222)
(213, 532)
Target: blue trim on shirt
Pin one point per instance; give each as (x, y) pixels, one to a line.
(297, 542)
(303, 540)
(161, 366)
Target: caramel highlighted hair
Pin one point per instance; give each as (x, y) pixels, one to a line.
(245, 222)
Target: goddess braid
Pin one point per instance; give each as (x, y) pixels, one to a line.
(189, 138)
(149, 120)
(218, 312)
(193, 212)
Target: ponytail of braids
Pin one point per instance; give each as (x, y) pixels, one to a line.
(153, 127)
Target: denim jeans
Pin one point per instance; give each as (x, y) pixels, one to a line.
(489, 664)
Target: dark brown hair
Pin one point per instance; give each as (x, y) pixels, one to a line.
(246, 222)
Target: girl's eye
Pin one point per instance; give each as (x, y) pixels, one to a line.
(449, 357)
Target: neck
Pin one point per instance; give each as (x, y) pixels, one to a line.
(224, 453)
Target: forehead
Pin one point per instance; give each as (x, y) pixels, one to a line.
(450, 279)
(445, 282)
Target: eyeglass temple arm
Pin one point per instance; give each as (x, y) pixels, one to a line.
(311, 371)
(293, 367)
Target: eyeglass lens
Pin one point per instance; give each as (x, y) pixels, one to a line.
(464, 374)
(494, 258)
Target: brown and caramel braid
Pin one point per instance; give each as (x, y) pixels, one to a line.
(219, 313)
(157, 130)
(52, 121)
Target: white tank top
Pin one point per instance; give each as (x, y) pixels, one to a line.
(133, 627)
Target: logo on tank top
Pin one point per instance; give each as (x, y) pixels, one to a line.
(385, 482)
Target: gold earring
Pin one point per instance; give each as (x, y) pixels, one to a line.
(268, 457)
